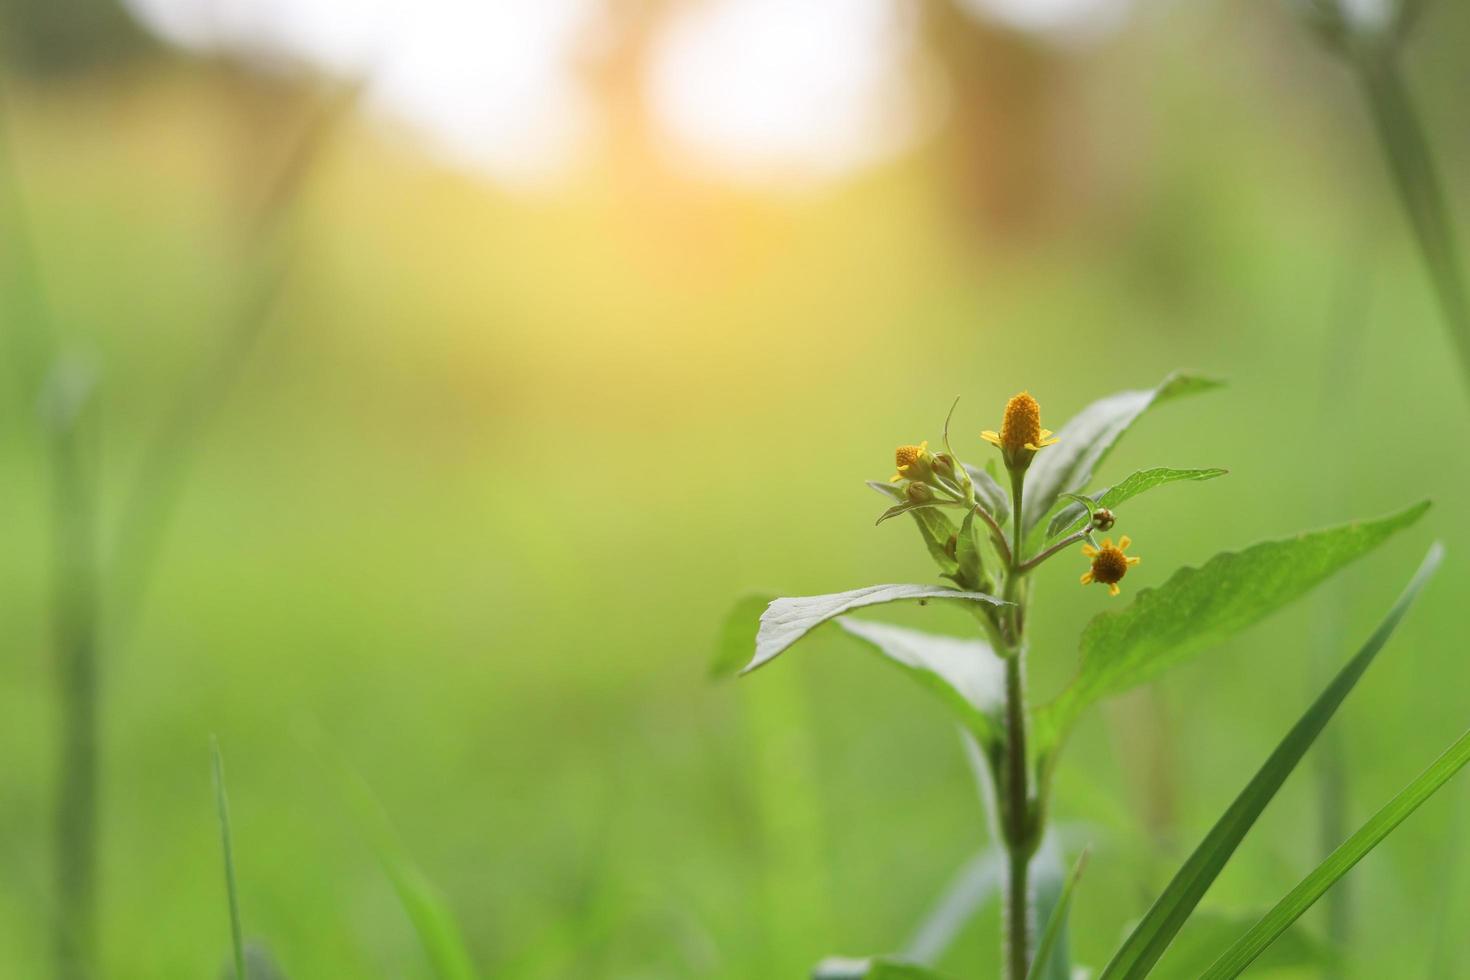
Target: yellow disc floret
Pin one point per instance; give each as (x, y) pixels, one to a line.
(913, 462)
(1021, 434)
(1109, 563)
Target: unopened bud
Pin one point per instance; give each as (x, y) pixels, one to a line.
(918, 493)
(1103, 519)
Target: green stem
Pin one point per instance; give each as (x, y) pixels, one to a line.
(1016, 829)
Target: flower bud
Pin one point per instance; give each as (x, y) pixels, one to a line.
(1103, 519)
(918, 493)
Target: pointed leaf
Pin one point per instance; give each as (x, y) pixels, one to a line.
(787, 620)
(967, 675)
(737, 635)
(1088, 437)
(1070, 518)
(1143, 947)
(1234, 960)
(1197, 607)
(1210, 930)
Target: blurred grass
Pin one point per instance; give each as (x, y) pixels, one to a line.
(491, 478)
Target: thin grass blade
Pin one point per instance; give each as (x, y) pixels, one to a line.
(222, 806)
(1143, 947)
(1234, 960)
(1057, 920)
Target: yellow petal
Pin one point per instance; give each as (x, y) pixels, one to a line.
(1089, 551)
(1107, 543)
(1086, 578)
(895, 478)
(1124, 542)
(1113, 589)
(990, 437)
(1045, 434)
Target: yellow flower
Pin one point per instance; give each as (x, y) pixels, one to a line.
(1021, 434)
(1109, 564)
(913, 462)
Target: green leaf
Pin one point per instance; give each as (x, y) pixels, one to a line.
(934, 527)
(1071, 517)
(1240, 955)
(975, 883)
(1197, 607)
(787, 620)
(989, 493)
(737, 635)
(222, 809)
(1143, 947)
(967, 552)
(873, 968)
(1088, 437)
(1209, 930)
(909, 506)
(967, 675)
(1051, 954)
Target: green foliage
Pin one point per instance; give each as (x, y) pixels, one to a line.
(1146, 943)
(934, 527)
(1071, 517)
(1265, 932)
(967, 675)
(1053, 904)
(1089, 436)
(1197, 607)
(787, 620)
(1197, 946)
(737, 635)
(989, 493)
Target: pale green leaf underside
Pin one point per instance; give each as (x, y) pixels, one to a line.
(1200, 606)
(967, 675)
(1148, 941)
(787, 620)
(1070, 518)
(1240, 955)
(1088, 437)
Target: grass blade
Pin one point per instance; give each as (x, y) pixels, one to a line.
(1235, 959)
(1143, 947)
(222, 805)
(1058, 918)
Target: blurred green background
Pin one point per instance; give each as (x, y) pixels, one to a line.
(467, 512)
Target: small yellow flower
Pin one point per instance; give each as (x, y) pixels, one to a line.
(1109, 564)
(913, 462)
(1021, 434)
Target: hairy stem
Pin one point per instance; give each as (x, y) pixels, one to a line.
(1015, 779)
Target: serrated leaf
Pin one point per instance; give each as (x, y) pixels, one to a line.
(967, 675)
(934, 527)
(737, 635)
(1148, 941)
(1071, 517)
(990, 494)
(1088, 437)
(1244, 951)
(1200, 606)
(787, 620)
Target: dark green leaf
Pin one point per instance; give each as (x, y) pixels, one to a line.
(737, 635)
(787, 620)
(1088, 437)
(967, 675)
(1240, 955)
(1071, 517)
(1197, 607)
(1143, 947)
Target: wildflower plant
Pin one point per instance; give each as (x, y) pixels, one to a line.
(988, 528)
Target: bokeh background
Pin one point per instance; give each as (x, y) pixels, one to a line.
(439, 373)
